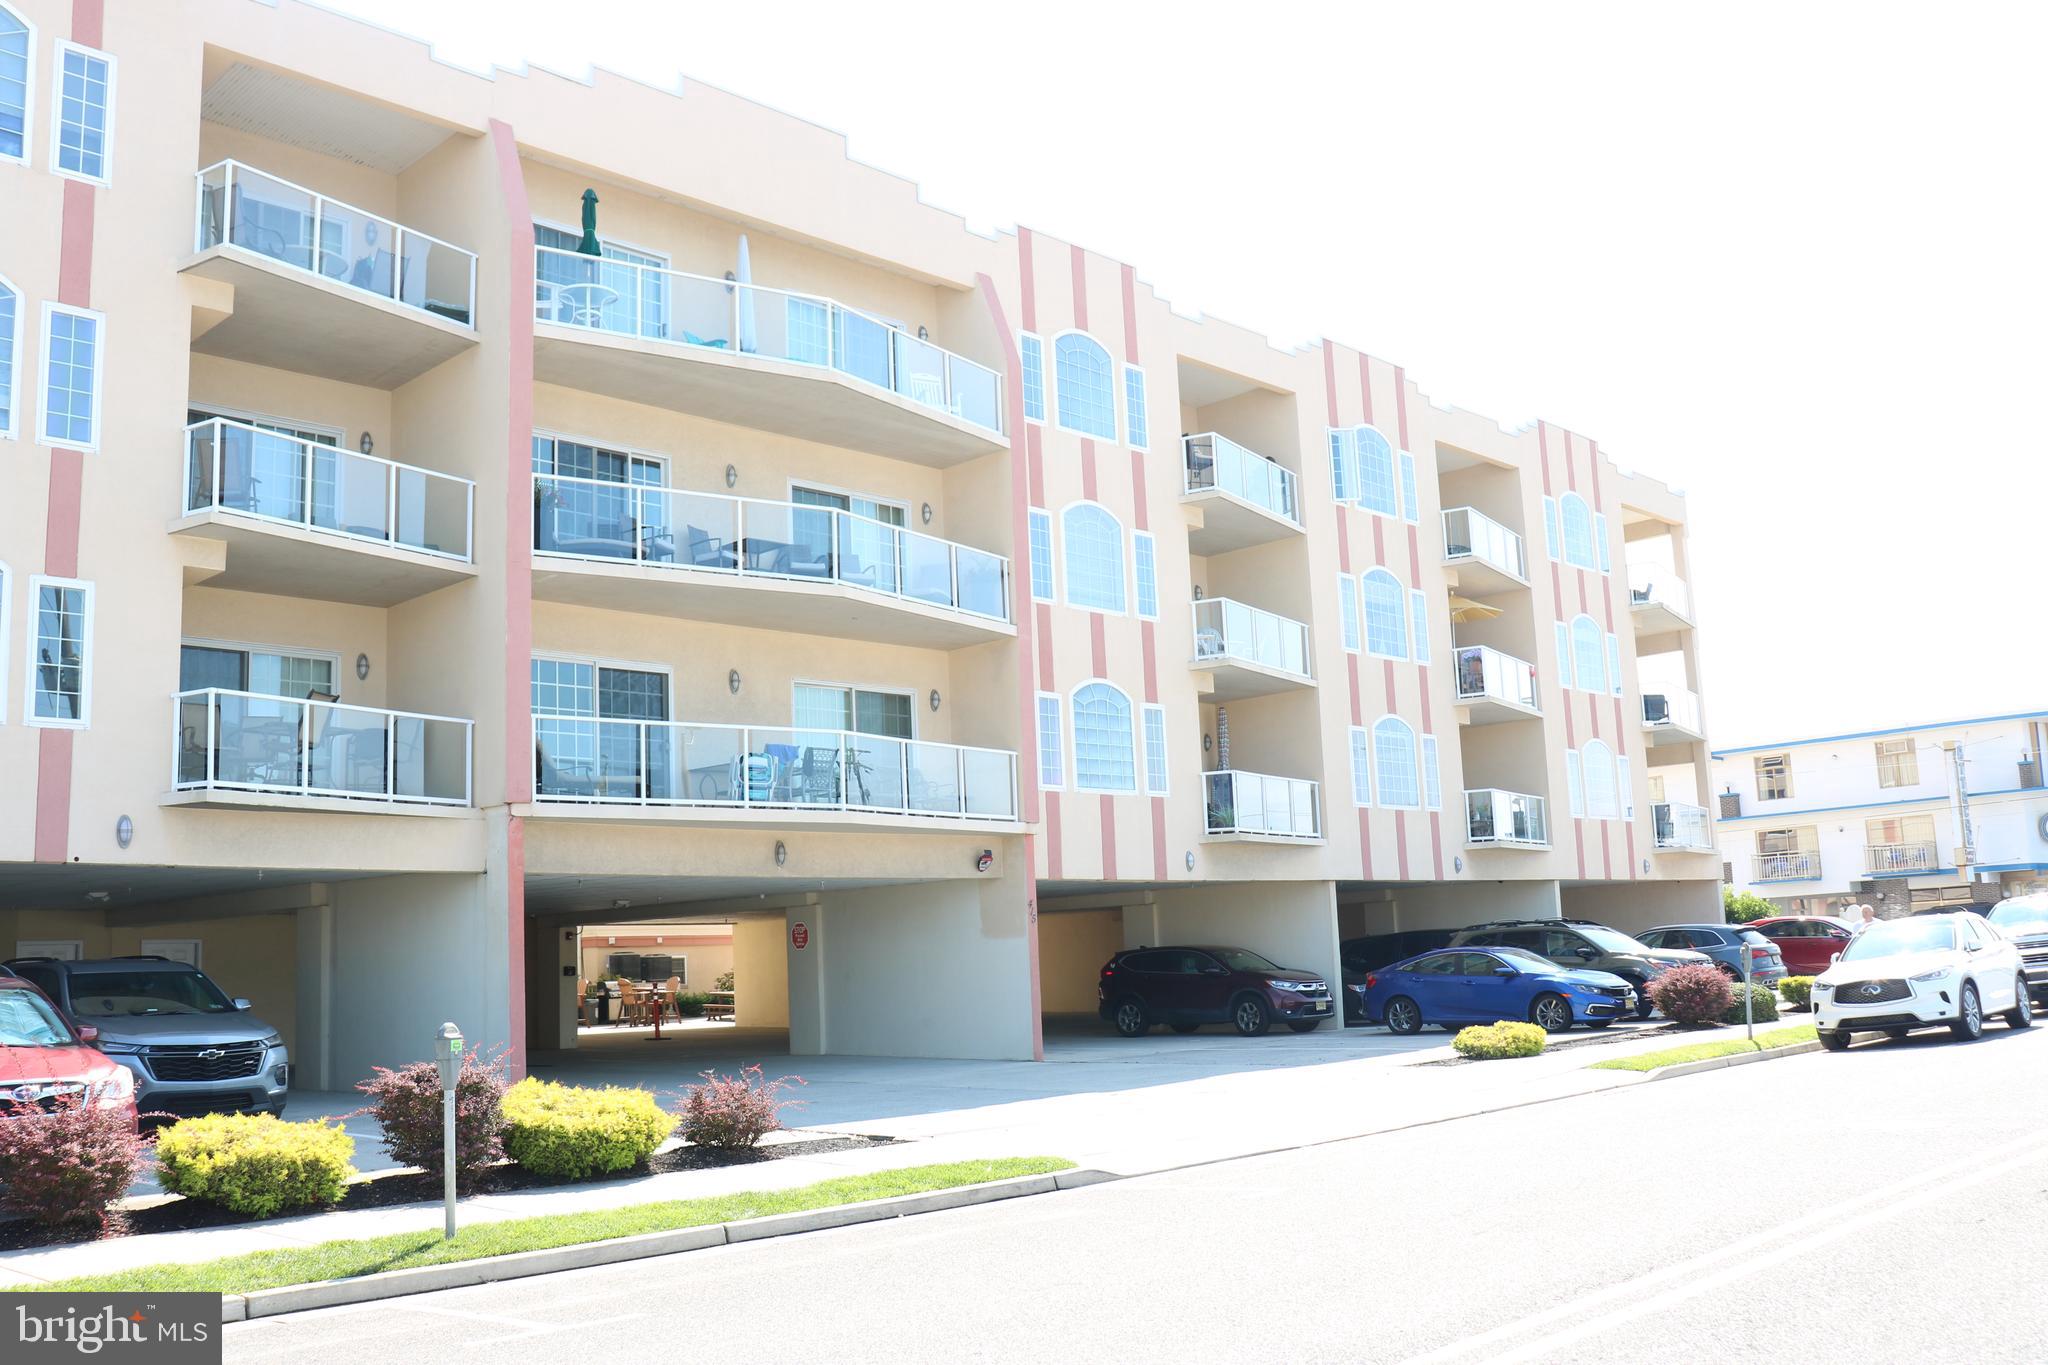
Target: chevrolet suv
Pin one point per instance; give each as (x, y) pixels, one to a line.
(193, 1050)
(1583, 943)
(1186, 988)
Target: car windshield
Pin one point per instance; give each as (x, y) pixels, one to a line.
(1609, 940)
(1238, 960)
(1888, 936)
(104, 995)
(2029, 916)
(26, 1020)
(1526, 960)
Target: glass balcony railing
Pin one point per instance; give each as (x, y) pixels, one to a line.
(1659, 588)
(763, 767)
(1493, 816)
(1484, 673)
(241, 206)
(257, 742)
(269, 476)
(1219, 463)
(1672, 710)
(1471, 534)
(653, 304)
(1228, 631)
(674, 528)
(1894, 859)
(1257, 803)
(1785, 867)
(1679, 825)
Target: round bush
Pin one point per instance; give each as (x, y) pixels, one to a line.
(66, 1166)
(690, 1005)
(1693, 994)
(571, 1132)
(1797, 992)
(1508, 1038)
(407, 1105)
(735, 1112)
(255, 1164)
(1764, 1004)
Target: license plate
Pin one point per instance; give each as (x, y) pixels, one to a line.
(1320, 1006)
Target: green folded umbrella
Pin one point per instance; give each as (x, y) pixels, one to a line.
(588, 246)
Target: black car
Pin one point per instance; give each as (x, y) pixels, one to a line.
(1359, 957)
(1185, 988)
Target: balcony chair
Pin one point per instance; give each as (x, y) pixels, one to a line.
(708, 551)
(753, 777)
(1208, 643)
(675, 988)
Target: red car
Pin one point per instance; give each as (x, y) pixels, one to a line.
(44, 1061)
(1808, 943)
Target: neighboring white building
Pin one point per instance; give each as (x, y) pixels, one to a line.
(1947, 813)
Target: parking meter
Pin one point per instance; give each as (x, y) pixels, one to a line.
(448, 1056)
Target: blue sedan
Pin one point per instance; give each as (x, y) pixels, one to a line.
(1457, 986)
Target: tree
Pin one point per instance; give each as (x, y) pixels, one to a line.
(1744, 906)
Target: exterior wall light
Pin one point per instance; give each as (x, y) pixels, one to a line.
(362, 667)
(985, 861)
(732, 475)
(124, 831)
(926, 513)
(366, 445)
(1191, 860)
(1457, 862)
(922, 334)
(781, 853)
(935, 699)
(732, 681)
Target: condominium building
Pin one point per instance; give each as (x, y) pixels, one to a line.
(452, 510)
(1946, 813)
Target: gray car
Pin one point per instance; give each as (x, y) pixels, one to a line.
(192, 1049)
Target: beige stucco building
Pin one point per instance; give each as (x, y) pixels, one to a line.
(390, 587)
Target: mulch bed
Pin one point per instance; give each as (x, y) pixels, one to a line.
(1600, 1038)
(388, 1191)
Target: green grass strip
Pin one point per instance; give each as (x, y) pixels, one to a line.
(1700, 1052)
(403, 1250)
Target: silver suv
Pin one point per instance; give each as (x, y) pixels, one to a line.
(193, 1050)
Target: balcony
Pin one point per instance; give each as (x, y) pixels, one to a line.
(302, 519)
(750, 562)
(256, 749)
(1259, 808)
(757, 357)
(1672, 718)
(321, 287)
(1494, 687)
(1785, 867)
(679, 771)
(1487, 555)
(1504, 819)
(1682, 828)
(1901, 860)
(1246, 499)
(1248, 652)
(1659, 602)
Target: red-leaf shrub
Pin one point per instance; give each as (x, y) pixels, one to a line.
(1695, 994)
(407, 1104)
(68, 1165)
(734, 1111)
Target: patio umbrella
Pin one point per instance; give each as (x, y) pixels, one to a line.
(1464, 609)
(588, 246)
(748, 339)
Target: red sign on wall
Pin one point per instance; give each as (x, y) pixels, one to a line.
(799, 935)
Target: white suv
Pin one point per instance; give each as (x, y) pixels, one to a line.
(1903, 974)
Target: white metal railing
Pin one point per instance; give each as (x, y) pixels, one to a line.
(1785, 867)
(1219, 463)
(1659, 587)
(675, 528)
(1227, 630)
(270, 476)
(1258, 803)
(579, 759)
(1673, 710)
(1493, 816)
(654, 303)
(1485, 673)
(244, 207)
(1901, 857)
(1679, 825)
(258, 742)
(1471, 534)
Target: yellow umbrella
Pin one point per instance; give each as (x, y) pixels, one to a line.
(1464, 609)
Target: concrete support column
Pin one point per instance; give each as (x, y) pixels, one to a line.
(806, 974)
(761, 972)
(312, 1061)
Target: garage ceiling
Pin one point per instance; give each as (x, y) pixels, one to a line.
(39, 886)
(570, 895)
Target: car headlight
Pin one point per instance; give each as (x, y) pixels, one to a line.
(1936, 975)
(121, 1049)
(1823, 987)
(116, 1090)
(274, 1040)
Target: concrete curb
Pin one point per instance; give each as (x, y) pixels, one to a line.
(1733, 1059)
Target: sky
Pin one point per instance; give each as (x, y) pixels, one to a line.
(1786, 258)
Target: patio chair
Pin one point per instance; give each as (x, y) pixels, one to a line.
(708, 551)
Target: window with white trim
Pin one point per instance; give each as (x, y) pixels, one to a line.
(1361, 766)
(1344, 466)
(1773, 777)
(10, 347)
(71, 376)
(1155, 750)
(1623, 781)
(1600, 541)
(1589, 657)
(1095, 557)
(1614, 663)
(1145, 565)
(1386, 613)
(1135, 421)
(1052, 747)
(1410, 498)
(17, 52)
(1898, 763)
(1418, 615)
(1031, 357)
(1550, 526)
(1577, 521)
(1081, 378)
(1598, 765)
(1575, 781)
(1347, 610)
(1041, 554)
(1564, 655)
(59, 652)
(82, 142)
(1393, 749)
(1432, 777)
(1378, 489)
(1104, 760)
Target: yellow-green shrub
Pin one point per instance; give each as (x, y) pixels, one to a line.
(574, 1131)
(1796, 991)
(1508, 1038)
(255, 1163)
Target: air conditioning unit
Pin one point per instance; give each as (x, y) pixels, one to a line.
(2030, 773)
(1962, 858)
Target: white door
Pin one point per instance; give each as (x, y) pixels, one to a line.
(184, 950)
(63, 949)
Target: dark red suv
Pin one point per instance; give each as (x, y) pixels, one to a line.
(1185, 988)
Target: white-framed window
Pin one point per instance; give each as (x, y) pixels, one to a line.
(1031, 362)
(1575, 781)
(1135, 420)
(1094, 545)
(1614, 663)
(1898, 763)
(1155, 750)
(1041, 554)
(1347, 610)
(1576, 520)
(1344, 466)
(1626, 784)
(1104, 760)
(1361, 766)
(1394, 771)
(1550, 526)
(17, 80)
(1378, 488)
(1564, 654)
(1602, 803)
(1145, 565)
(59, 652)
(73, 346)
(1773, 777)
(1411, 502)
(1082, 383)
(1418, 617)
(1432, 776)
(10, 346)
(1600, 541)
(1589, 656)
(1052, 742)
(1386, 614)
(82, 129)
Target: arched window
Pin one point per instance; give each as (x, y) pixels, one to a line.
(16, 39)
(10, 344)
(1393, 753)
(1386, 614)
(1104, 759)
(1589, 656)
(1378, 488)
(1578, 531)
(1095, 557)
(1083, 383)
(1602, 799)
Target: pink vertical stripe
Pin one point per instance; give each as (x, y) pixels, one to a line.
(1343, 538)
(1088, 469)
(53, 794)
(1098, 650)
(1579, 843)
(1543, 452)
(1593, 463)
(1379, 542)
(1027, 279)
(1108, 838)
(1141, 514)
(1130, 315)
(1159, 838)
(1387, 666)
(1080, 288)
(1401, 842)
(1054, 868)
(1632, 875)
(1436, 841)
(1031, 936)
(1043, 616)
(1148, 646)
(74, 252)
(1034, 456)
(1365, 843)
(1606, 850)
(1330, 381)
(1401, 403)
(1357, 714)
(61, 522)
(1571, 473)
(89, 23)
(1365, 385)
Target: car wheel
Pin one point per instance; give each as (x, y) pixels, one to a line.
(1403, 1015)
(1969, 1021)
(1185, 1028)
(1132, 1019)
(1251, 1016)
(1897, 1034)
(1835, 1039)
(1552, 1011)
(2021, 1015)
(1303, 1025)
(1644, 1009)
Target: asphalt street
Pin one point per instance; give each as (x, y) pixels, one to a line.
(1886, 1204)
